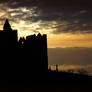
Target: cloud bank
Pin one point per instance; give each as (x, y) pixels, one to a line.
(56, 17)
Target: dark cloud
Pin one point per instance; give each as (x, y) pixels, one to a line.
(80, 22)
(46, 3)
(19, 3)
(54, 10)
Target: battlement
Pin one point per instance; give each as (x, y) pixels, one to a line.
(36, 36)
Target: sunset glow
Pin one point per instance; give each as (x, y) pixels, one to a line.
(54, 40)
(61, 33)
(28, 21)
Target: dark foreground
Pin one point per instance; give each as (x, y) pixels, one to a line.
(15, 76)
(49, 82)
(66, 87)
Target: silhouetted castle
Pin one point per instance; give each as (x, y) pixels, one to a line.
(31, 51)
(26, 59)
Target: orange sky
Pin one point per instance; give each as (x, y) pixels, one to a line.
(70, 40)
(55, 40)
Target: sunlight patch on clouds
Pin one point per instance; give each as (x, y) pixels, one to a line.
(24, 16)
(32, 27)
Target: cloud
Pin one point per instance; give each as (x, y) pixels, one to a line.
(19, 3)
(70, 16)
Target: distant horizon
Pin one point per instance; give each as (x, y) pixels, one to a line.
(71, 58)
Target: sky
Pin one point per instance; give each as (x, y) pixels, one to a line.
(66, 22)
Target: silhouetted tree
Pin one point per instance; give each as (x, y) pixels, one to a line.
(70, 71)
(83, 71)
(56, 67)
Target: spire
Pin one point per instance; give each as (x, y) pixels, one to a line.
(7, 26)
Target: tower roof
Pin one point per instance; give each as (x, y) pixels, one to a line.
(7, 25)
